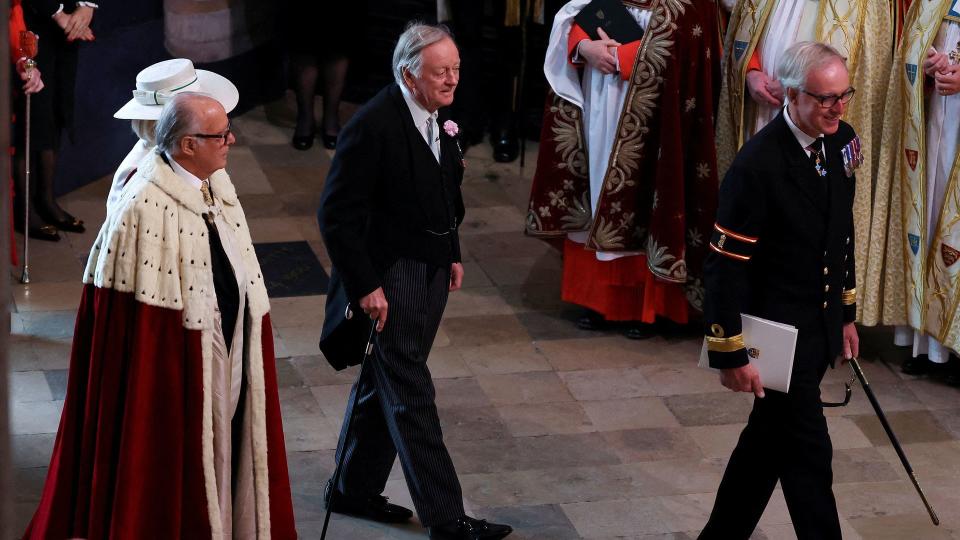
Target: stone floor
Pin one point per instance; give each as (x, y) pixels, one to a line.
(561, 432)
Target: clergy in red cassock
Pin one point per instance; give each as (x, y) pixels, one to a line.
(171, 424)
(626, 173)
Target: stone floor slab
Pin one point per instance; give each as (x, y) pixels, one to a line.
(711, 409)
(526, 419)
(909, 426)
(527, 387)
(606, 384)
(634, 413)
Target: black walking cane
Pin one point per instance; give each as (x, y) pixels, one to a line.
(367, 351)
(858, 372)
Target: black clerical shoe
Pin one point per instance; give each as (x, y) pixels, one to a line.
(591, 320)
(918, 365)
(374, 507)
(639, 330)
(467, 528)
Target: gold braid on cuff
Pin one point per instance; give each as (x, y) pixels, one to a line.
(849, 297)
(726, 344)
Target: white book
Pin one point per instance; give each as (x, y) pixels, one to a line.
(770, 348)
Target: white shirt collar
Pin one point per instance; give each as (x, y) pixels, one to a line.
(186, 175)
(419, 113)
(802, 138)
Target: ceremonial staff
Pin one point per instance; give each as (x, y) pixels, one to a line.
(367, 350)
(28, 51)
(893, 438)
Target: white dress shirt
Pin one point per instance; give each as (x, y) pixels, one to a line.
(420, 118)
(802, 138)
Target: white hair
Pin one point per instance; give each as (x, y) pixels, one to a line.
(145, 130)
(417, 37)
(801, 58)
(176, 121)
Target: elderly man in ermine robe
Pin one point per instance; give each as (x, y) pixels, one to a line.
(171, 424)
(626, 173)
(759, 33)
(915, 234)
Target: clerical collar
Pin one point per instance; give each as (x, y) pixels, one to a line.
(186, 175)
(802, 138)
(419, 113)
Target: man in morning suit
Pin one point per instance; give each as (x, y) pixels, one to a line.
(389, 216)
(782, 250)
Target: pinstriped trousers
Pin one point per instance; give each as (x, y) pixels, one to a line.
(396, 414)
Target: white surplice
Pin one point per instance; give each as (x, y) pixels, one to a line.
(599, 95)
(790, 21)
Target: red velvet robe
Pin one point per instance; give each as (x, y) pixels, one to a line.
(129, 458)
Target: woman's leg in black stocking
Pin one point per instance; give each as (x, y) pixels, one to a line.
(305, 85)
(334, 78)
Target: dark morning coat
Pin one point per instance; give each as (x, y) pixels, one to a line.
(386, 198)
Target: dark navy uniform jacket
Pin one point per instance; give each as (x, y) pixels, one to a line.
(783, 245)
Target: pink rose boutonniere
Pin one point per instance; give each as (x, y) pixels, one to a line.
(452, 130)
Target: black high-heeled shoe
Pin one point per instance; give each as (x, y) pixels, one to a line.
(66, 222)
(44, 232)
(329, 141)
(70, 224)
(303, 142)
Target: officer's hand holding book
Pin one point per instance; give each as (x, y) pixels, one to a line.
(742, 379)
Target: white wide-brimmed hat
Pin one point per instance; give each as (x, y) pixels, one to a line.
(158, 83)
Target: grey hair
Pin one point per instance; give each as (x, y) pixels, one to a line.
(176, 121)
(145, 129)
(417, 37)
(800, 59)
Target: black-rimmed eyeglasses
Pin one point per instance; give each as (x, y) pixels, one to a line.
(829, 100)
(222, 136)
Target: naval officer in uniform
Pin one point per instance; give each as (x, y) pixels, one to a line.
(782, 249)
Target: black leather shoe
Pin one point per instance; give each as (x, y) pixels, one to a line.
(303, 142)
(375, 507)
(591, 320)
(636, 330)
(467, 528)
(918, 365)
